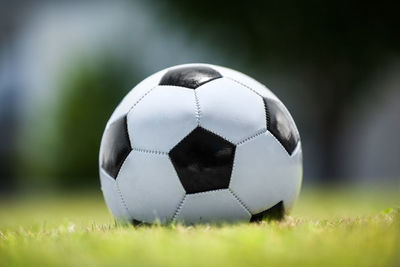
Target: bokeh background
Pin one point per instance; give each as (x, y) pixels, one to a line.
(65, 65)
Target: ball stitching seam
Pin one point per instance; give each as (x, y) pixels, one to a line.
(248, 87)
(122, 198)
(198, 111)
(282, 146)
(253, 135)
(141, 98)
(157, 152)
(267, 113)
(219, 135)
(178, 209)
(208, 191)
(259, 132)
(240, 201)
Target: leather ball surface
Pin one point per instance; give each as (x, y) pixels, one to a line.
(199, 143)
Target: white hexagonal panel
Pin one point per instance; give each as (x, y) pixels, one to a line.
(297, 159)
(138, 92)
(211, 206)
(230, 110)
(264, 173)
(162, 119)
(246, 81)
(112, 197)
(150, 186)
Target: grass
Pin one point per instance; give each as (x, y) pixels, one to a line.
(326, 228)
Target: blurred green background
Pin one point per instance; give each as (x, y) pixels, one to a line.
(65, 65)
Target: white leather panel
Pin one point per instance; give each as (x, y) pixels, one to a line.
(112, 197)
(135, 94)
(212, 206)
(296, 157)
(246, 81)
(264, 173)
(150, 186)
(251, 83)
(230, 109)
(162, 119)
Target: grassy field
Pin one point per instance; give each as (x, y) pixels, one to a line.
(335, 228)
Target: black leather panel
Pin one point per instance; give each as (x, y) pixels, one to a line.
(277, 212)
(115, 147)
(190, 77)
(281, 125)
(203, 161)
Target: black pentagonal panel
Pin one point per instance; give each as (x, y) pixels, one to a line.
(203, 161)
(281, 125)
(277, 212)
(115, 147)
(190, 77)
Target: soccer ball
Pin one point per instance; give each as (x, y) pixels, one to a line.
(199, 143)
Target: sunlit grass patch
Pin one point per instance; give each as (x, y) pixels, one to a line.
(339, 228)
